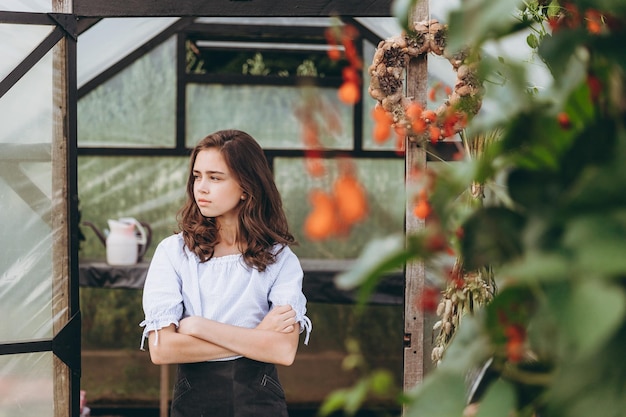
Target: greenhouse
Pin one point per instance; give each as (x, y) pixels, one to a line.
(101, 104)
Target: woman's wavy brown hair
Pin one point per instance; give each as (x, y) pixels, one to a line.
(262, 221)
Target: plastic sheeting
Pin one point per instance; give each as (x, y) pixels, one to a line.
(29, 304)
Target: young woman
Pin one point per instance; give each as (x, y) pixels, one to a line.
(223, 298)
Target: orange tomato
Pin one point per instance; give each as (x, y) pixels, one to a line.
(334, 53)
(429, 116)
(414, 111)
(382, 132)
(321, 222)
(422, 209)
(435, 134)
(350, 198)
(418, 126)
(381, 115)
(564, 121)
(350, 74)
(349, 92)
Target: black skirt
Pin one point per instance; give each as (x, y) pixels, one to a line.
(233, 388)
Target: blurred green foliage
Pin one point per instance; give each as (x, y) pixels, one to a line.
(551, 336)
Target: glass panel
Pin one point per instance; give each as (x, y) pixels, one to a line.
(26, 109)
(135, 108)
(42, 6)
(368, 106)
(27, 385)
(113, 367)
(265, 112)
(383, 180)
(296, 59)
(268, 21)
(25, 192)
(17, 42)
(384, 27)
(112, 39)
(150, 189)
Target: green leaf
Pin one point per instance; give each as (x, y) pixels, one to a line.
(442, 394)
(469, 348)
(602, 186)
(598, 243)
(591, 314)
(533, 189)
(532, 40)
(379, 256)
(499, 400)
(334, 402)
(491, 236)
(591, 386)
(510, 93)
(355, 397)
(559, 54)
(478, 20)
(381, 382)
(538, 267)
(401, 10)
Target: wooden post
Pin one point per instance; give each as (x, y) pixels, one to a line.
(416, 86)
(60, 232)
(60, 214)
(164, 394)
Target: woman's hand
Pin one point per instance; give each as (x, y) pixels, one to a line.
(280, 319)
(190, 325)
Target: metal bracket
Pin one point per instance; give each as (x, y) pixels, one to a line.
(68, 22)
(64, 344)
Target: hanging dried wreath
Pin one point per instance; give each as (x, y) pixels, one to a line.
(408, 117)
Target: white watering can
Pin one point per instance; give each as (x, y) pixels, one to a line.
(126, 240)
(125, 237)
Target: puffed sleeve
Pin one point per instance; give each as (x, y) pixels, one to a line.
(162, 292)
(287, 288)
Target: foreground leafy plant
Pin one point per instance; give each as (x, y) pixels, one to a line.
(551, 340)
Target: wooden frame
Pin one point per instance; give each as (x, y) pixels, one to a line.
(232, 8)
(63, 206)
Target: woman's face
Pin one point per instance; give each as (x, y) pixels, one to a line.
(215, 190)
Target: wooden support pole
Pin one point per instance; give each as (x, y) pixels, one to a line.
(59, 214)
(59, 228)
(416, 86)
(164, 395)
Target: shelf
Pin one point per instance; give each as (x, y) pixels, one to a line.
(318, 283)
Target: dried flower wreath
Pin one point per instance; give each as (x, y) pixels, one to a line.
(408, 117)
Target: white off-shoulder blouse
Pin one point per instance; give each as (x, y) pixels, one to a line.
(223, 289)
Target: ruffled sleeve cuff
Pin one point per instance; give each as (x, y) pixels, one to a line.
(154, 325)
(306, 326)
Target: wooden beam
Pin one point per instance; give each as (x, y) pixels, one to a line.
(233, 8)
(66, 380)
(59, 226)
(415, 274)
